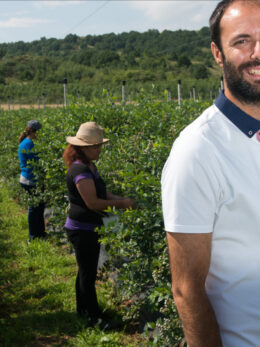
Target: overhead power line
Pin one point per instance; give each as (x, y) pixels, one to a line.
(87, 17)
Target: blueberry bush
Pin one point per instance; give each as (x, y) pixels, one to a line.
(141, 136)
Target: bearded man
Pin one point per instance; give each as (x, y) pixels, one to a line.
(211, 193)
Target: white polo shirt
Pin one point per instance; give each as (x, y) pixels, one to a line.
(211, 184)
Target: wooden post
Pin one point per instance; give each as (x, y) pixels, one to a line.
(168, 95)
(179, 92)
(123, 92)
(43, 101)
(221, 83)
(8, 101)
(39, 103)
(65, 92)
(194, 93)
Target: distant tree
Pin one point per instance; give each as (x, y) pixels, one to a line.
(105, 58)
(183, 61)
(173, 56)
(200, 71)
(2, 78)
(71, 38)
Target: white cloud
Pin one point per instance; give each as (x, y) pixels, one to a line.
(22, 22)
(176, 14)
(53, 3)
(154, 10)
(21, 13)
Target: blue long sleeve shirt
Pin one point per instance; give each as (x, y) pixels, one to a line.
(25, 155)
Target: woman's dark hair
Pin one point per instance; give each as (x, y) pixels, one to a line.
(73, 153)
(28, 131)
(214, 21)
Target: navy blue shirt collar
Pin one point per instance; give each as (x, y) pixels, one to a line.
(247, 124)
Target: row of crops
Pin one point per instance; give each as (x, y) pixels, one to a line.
(141, 136)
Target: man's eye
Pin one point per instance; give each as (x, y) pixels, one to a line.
(240, 42)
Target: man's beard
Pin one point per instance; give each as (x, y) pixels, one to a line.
(242, 90)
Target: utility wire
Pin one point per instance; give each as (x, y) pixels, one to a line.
(87, 17)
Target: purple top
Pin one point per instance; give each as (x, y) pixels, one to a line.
(84, 175)
(76, 225)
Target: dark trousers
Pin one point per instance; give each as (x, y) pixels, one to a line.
(87, 248)
(35, 217)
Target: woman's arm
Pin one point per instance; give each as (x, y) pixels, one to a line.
(87, 191)
(111, 196)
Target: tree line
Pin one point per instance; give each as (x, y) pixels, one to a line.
(105, 60)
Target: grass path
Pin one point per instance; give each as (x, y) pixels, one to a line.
(37, 298)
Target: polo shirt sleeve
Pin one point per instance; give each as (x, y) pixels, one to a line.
(190, 189)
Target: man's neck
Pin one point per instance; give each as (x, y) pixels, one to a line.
(250, 109)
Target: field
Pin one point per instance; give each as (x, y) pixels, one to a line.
(141, 136)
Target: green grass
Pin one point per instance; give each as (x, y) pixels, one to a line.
(37, 297)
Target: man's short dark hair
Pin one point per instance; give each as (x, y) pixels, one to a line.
(214, 21)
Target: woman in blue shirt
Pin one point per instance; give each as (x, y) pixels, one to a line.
(27, 179)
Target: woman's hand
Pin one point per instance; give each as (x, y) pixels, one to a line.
(127, 202)
(88, 193)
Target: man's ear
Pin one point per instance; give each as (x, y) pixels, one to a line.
(217, 54)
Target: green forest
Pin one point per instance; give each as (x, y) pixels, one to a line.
(151, 61)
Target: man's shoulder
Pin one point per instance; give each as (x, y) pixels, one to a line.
(204, 124)
(201, 140)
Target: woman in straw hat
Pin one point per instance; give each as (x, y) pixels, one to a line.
(27, 179)
(88, 197)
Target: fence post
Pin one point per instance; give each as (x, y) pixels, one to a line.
(179, 92)
(43, 101)
(221, 83)
(65, 92)
(124, 92)
(8, 101)
(168, 95)
(39, 103)
(194, 93)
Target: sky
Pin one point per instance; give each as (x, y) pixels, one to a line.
(33, 19)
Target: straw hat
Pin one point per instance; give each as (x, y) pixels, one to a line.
(89, 134)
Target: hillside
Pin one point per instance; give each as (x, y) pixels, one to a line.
(93, 63)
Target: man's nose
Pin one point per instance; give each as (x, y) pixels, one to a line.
(256, 51)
